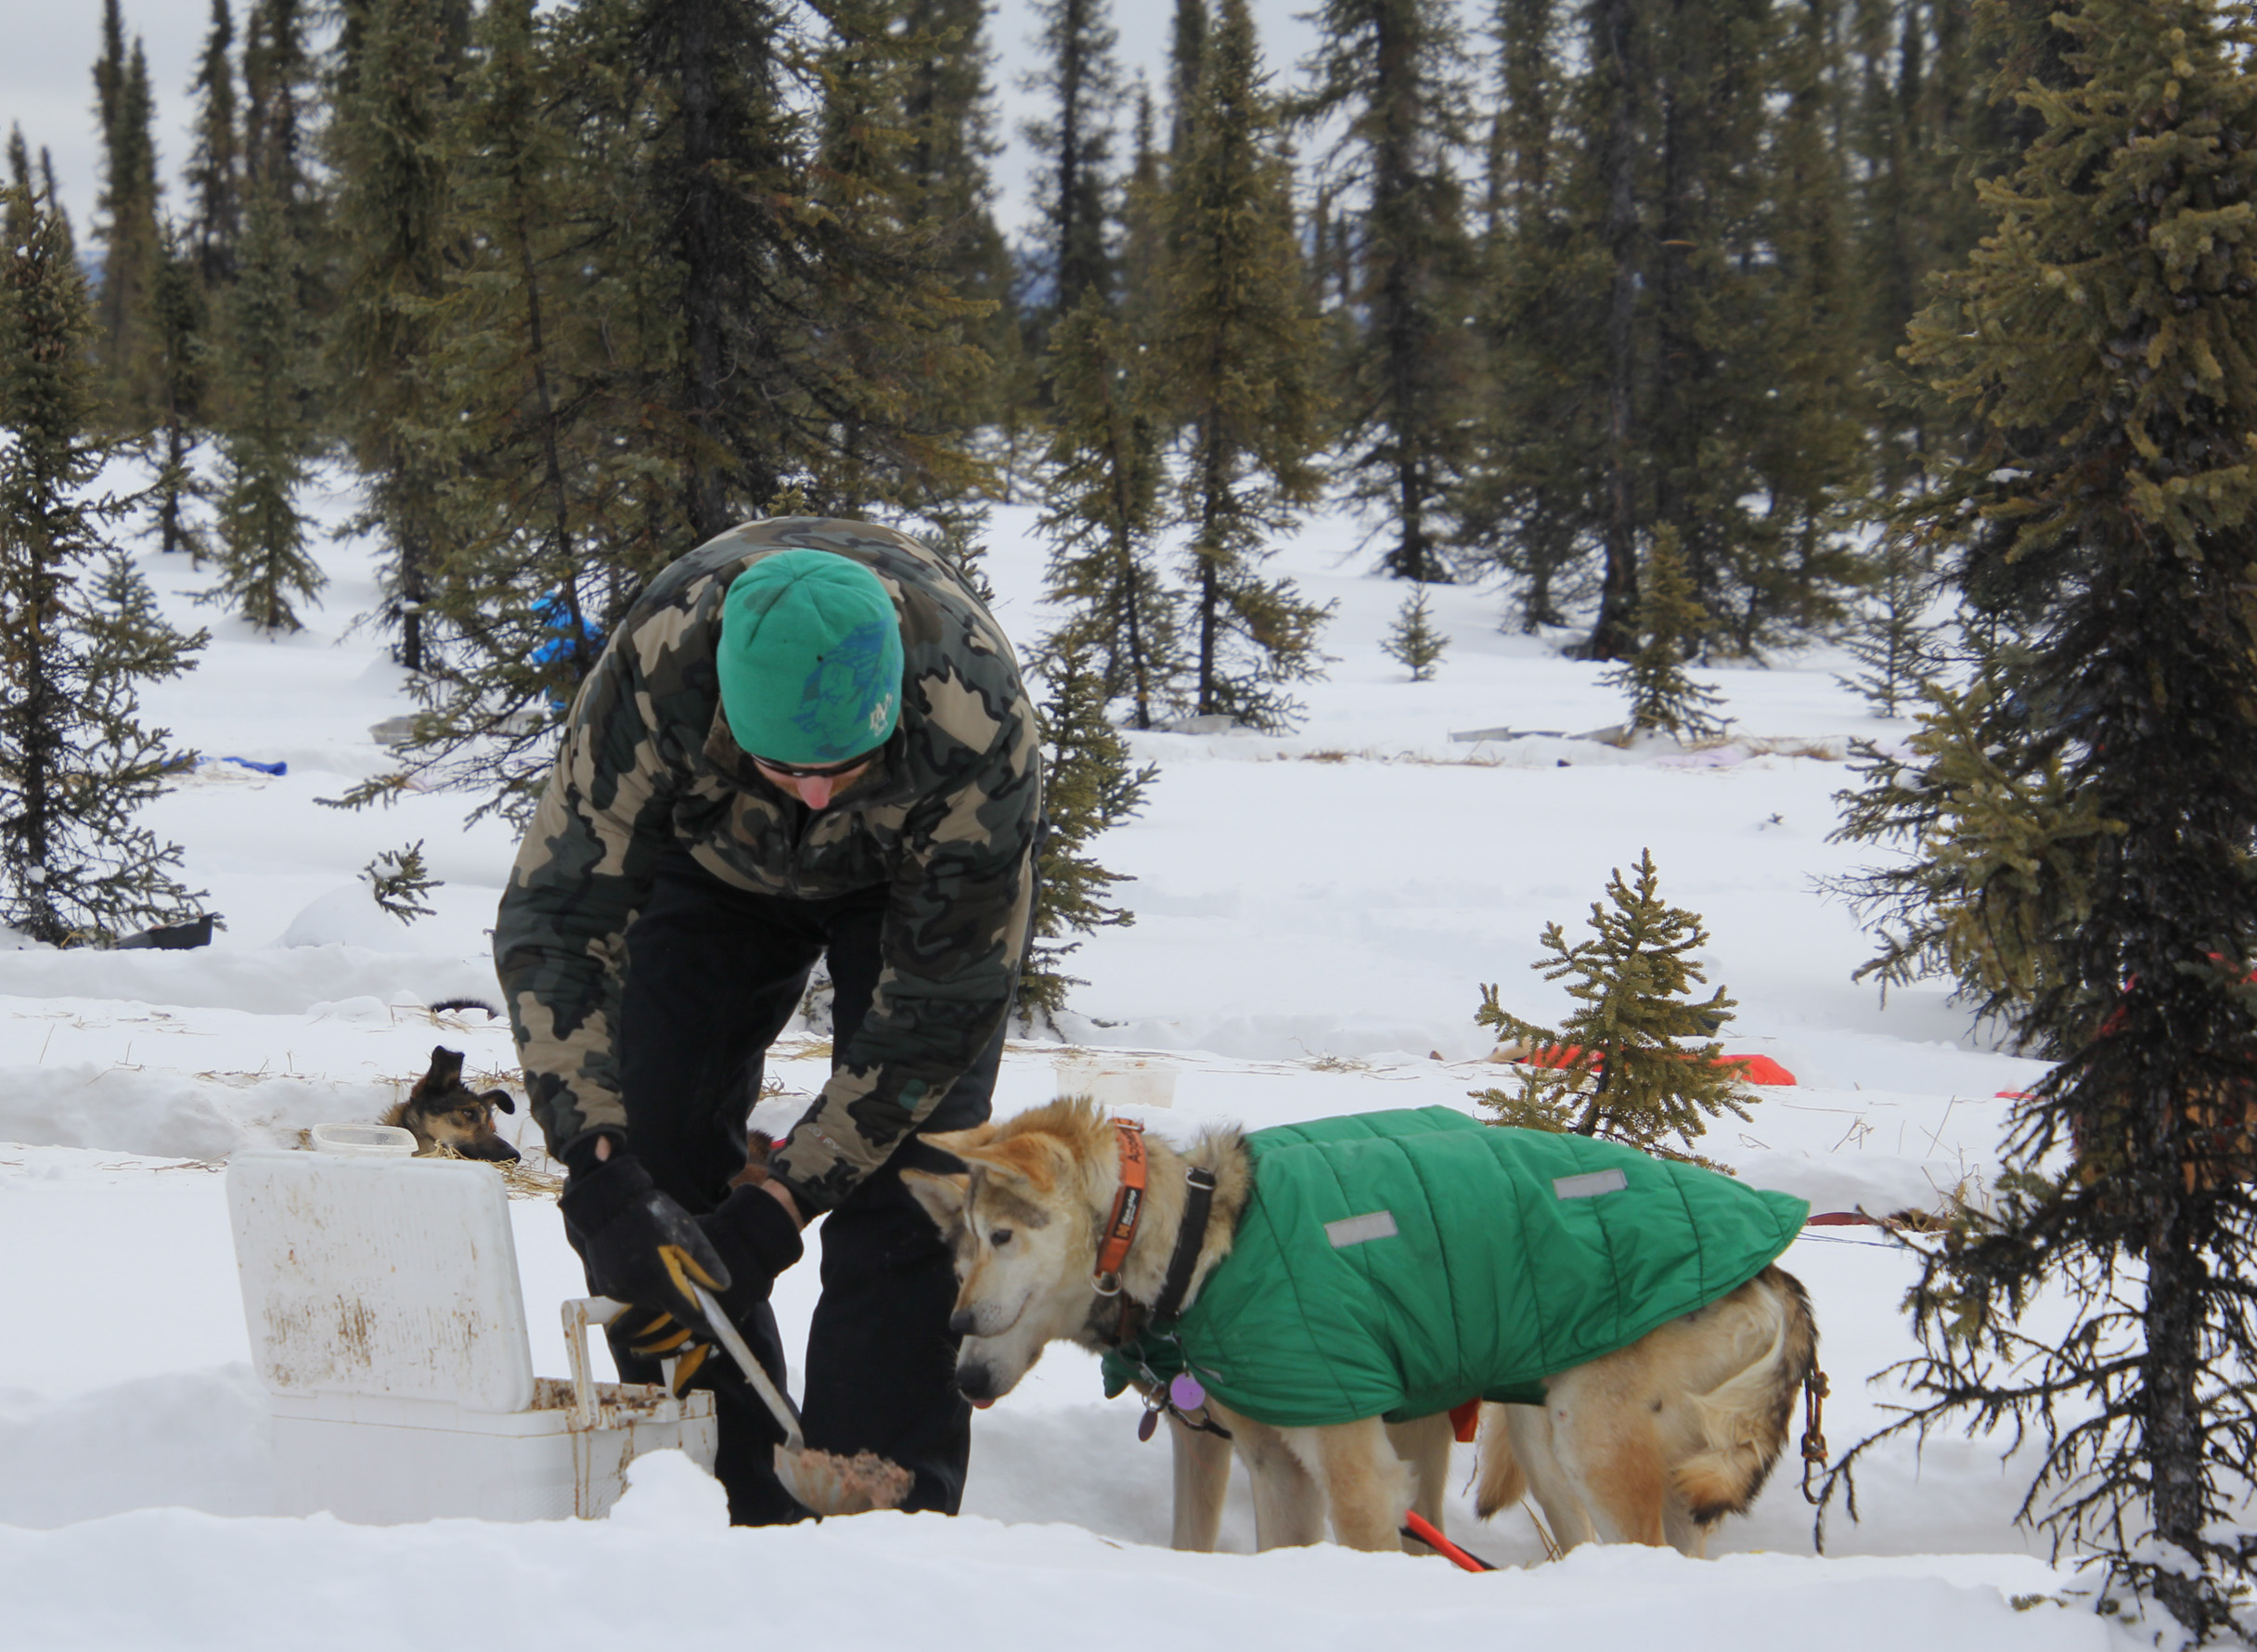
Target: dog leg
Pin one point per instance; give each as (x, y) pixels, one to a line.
(1604, 1433)
(1424, 1443)
(1367, 1487)
(1686, 1535)
(1203, 1480)
(1288, 1505)
(1528, 1432)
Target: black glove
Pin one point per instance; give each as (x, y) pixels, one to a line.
(642, 1247)
(756, 1239)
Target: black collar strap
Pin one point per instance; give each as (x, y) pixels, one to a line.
(1191, 1238)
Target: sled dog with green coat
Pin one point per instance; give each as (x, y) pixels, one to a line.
(1317, 1296)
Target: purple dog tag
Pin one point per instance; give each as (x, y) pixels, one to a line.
(1184, 1392)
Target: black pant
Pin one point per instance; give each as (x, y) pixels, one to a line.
(713, 975)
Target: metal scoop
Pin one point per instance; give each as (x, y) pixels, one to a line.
(820, 1482)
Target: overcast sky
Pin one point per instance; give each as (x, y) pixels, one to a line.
(47, 49)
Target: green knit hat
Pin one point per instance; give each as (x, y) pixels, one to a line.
(810, 659)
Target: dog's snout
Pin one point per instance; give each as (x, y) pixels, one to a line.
(976, 1383)
(492, 1149)
(959, 1323)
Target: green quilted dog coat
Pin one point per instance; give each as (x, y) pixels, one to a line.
(1398, 1264)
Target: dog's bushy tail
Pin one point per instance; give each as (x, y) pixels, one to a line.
(1745, 1418)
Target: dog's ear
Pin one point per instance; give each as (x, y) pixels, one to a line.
(499, 1098)
(942, 1197)
(1031, 1156)
(954, 1143)
(446, 1068)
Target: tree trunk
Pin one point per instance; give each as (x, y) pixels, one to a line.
(2178, 1288)
(1394, 176)
(1210, 562)
(701, 242)
(1614, 635)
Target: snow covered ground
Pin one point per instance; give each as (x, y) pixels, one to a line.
(1315, 917)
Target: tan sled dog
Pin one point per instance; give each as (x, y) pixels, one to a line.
(1652, 1443)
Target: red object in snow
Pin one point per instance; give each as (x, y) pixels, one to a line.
(1759, 1069)
(1754, 1069)
(1416, 1525)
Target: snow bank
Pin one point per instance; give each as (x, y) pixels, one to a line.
(172, 1114)
(670, 1568)
(191, 1439)
(267, 981)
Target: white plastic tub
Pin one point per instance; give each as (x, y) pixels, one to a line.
(386, 1321)
(1118, 1083)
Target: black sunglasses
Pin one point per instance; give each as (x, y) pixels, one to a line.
(803, 771)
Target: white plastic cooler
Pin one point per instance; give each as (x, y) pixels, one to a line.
(387, 1322)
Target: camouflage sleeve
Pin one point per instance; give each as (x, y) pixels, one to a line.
(584, 868)
(953, 939)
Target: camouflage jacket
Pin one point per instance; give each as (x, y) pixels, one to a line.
(946, 819)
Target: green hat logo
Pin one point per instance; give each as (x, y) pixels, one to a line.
(809, 658)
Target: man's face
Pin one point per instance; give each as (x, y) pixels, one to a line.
(815, 788)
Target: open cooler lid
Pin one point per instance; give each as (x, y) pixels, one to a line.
(372, 1275)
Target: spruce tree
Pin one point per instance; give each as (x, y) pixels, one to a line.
(53, 198)
(180, 326)
(387, 146)
(1996, 855)
(1413, 641)
(22, 193)
(551, 521)
(1778, 574)
(1669, 329)
(1088, 786)
(1663, 699)
(1082, 80)
(75, 761)
(109, 73)
(265, 443)
(1105, 510)
(125, 228)
(868, 70)
(948, 184)
(816, 345)
(280, 129)
(1143, 201)
(214, 178)
(1239, 349)
(2101, 337)
(280, 94)
(1533, 501)
(398, 880)
(1636, 1062)
(1893, 642)
(684, 287)
(1186, 50)
(1391, 71)
(1934, 110)
(34, 189)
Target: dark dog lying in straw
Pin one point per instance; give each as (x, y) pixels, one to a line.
(443, 1111)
